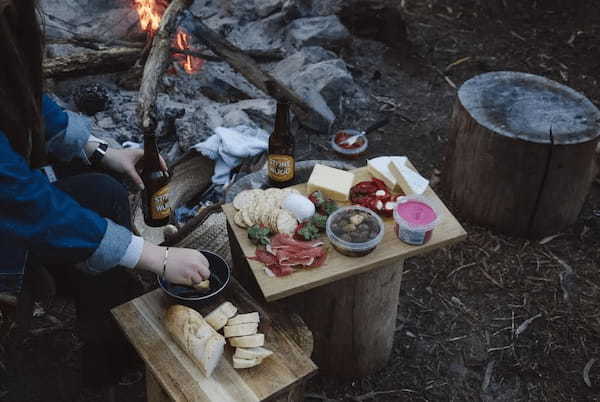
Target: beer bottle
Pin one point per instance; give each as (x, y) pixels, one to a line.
(280, 160)
(156, 186)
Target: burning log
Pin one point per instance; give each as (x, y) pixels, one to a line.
(159, 58)
(246, 66)
(96, 62)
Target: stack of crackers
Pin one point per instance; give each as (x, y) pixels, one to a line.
(263, 207)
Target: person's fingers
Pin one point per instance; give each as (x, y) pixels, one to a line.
(134, 175)
(163, 164)
(195, 278)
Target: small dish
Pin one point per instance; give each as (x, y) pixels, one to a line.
(219, 279)
(346, 243)
(356, 150)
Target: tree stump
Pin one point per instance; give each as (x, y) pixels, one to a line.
(520, 155)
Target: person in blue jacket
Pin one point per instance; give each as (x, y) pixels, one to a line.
(76, 226)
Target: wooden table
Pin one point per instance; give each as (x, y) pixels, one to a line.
(350, 304)
(172, 376)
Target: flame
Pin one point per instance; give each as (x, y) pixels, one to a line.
(150, 12)
(190, 64)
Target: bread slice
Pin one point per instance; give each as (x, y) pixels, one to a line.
(216, 319)
(219, 316)
(241, 330)
(250, 341)
(195, 336)
(252, 353)
(228, 309)
(244, 319)
(245, 363)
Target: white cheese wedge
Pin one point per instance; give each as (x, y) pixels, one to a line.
(334, 183)
(379, 168)
(244, 318)
(250, 341)
(245, 363)
(252, 353)
(240, 330)
(409, 181)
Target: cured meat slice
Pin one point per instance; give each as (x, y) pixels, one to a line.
(281, 239)
(264, 256)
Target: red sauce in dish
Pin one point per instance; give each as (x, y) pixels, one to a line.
(341, 136)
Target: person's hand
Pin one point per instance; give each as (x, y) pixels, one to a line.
(184, 266)
(124, 161)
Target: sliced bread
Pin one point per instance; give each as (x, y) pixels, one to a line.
(244, 319)
(252, 353)
(249, 341)
(245, 363)
(241, 330)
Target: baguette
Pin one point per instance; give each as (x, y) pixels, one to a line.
(228, 309)
(244, 319)
(195, 337)
(249, 341)
(252, 353)
(241, 330)
(245, 363)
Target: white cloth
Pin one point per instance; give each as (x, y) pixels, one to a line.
(228, 146)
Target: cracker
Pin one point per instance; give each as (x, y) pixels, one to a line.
(243, 199)
(286, 223)
(246, 216)
(239, 220)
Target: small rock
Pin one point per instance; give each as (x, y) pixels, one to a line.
(327, 32)
(290, 66)
(91, 99)
(267, 7)
(266, 34)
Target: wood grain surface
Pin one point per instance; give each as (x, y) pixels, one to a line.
(338, 266)
(182, 380)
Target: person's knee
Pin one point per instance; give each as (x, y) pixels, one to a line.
(114, 196)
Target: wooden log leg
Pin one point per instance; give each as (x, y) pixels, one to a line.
(154, 392)
(353, 321)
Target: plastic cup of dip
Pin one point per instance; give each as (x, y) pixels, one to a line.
(415, 219)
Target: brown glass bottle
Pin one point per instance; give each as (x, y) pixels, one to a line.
(157, 209)
(281, 163)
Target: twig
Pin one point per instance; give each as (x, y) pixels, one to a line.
(319, 397)
(374, 394)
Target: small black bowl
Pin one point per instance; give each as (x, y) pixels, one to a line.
(219, 279)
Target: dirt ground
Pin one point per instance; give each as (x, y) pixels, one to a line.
(493, 318)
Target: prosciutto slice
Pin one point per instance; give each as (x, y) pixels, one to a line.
(285, 254)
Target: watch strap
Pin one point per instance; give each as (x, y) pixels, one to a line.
(98, 154)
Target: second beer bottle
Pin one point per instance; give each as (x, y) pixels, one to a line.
(157, 209)
(281, 163)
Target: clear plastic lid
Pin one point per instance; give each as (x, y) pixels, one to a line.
(426, 211)
(350, 245)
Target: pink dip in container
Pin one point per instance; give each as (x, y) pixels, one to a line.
(415, 219)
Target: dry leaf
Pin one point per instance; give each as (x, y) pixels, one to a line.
(586, 372)
(549, 238)
(523, 327)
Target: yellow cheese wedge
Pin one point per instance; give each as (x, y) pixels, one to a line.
(334, 183)
(409, 181)
(379, 168)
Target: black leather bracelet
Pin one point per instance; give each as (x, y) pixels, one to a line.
(98, 154)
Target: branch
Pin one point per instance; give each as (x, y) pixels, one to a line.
(156, 64)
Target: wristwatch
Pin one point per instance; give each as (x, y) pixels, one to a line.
(98, 154)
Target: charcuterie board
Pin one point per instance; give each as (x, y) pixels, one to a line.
(337, 265)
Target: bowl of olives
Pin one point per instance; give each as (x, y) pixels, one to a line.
(354, 231)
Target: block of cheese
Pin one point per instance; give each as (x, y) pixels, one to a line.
(409, 181)
(240, 330)
(334, 183)
(252, 353)
(250, 341)
(239, 363)
(379, 168)
(244, 319)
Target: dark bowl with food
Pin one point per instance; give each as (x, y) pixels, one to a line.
(349, 151)
(220, 274)
(354, 231)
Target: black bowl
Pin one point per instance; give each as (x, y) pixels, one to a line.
(219, 279)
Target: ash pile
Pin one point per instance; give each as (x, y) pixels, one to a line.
(296, 41)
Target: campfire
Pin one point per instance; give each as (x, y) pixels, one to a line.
(150, 13)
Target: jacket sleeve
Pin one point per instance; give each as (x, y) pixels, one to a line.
(66, 132)
(51, 224)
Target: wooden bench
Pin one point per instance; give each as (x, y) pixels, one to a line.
(172, 376)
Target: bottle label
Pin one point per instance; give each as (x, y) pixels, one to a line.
(159, 204)
(281, 167)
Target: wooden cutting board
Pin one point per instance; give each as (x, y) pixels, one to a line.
(338, 266)
(180, 378)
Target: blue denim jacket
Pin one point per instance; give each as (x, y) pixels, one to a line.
(38, 218)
